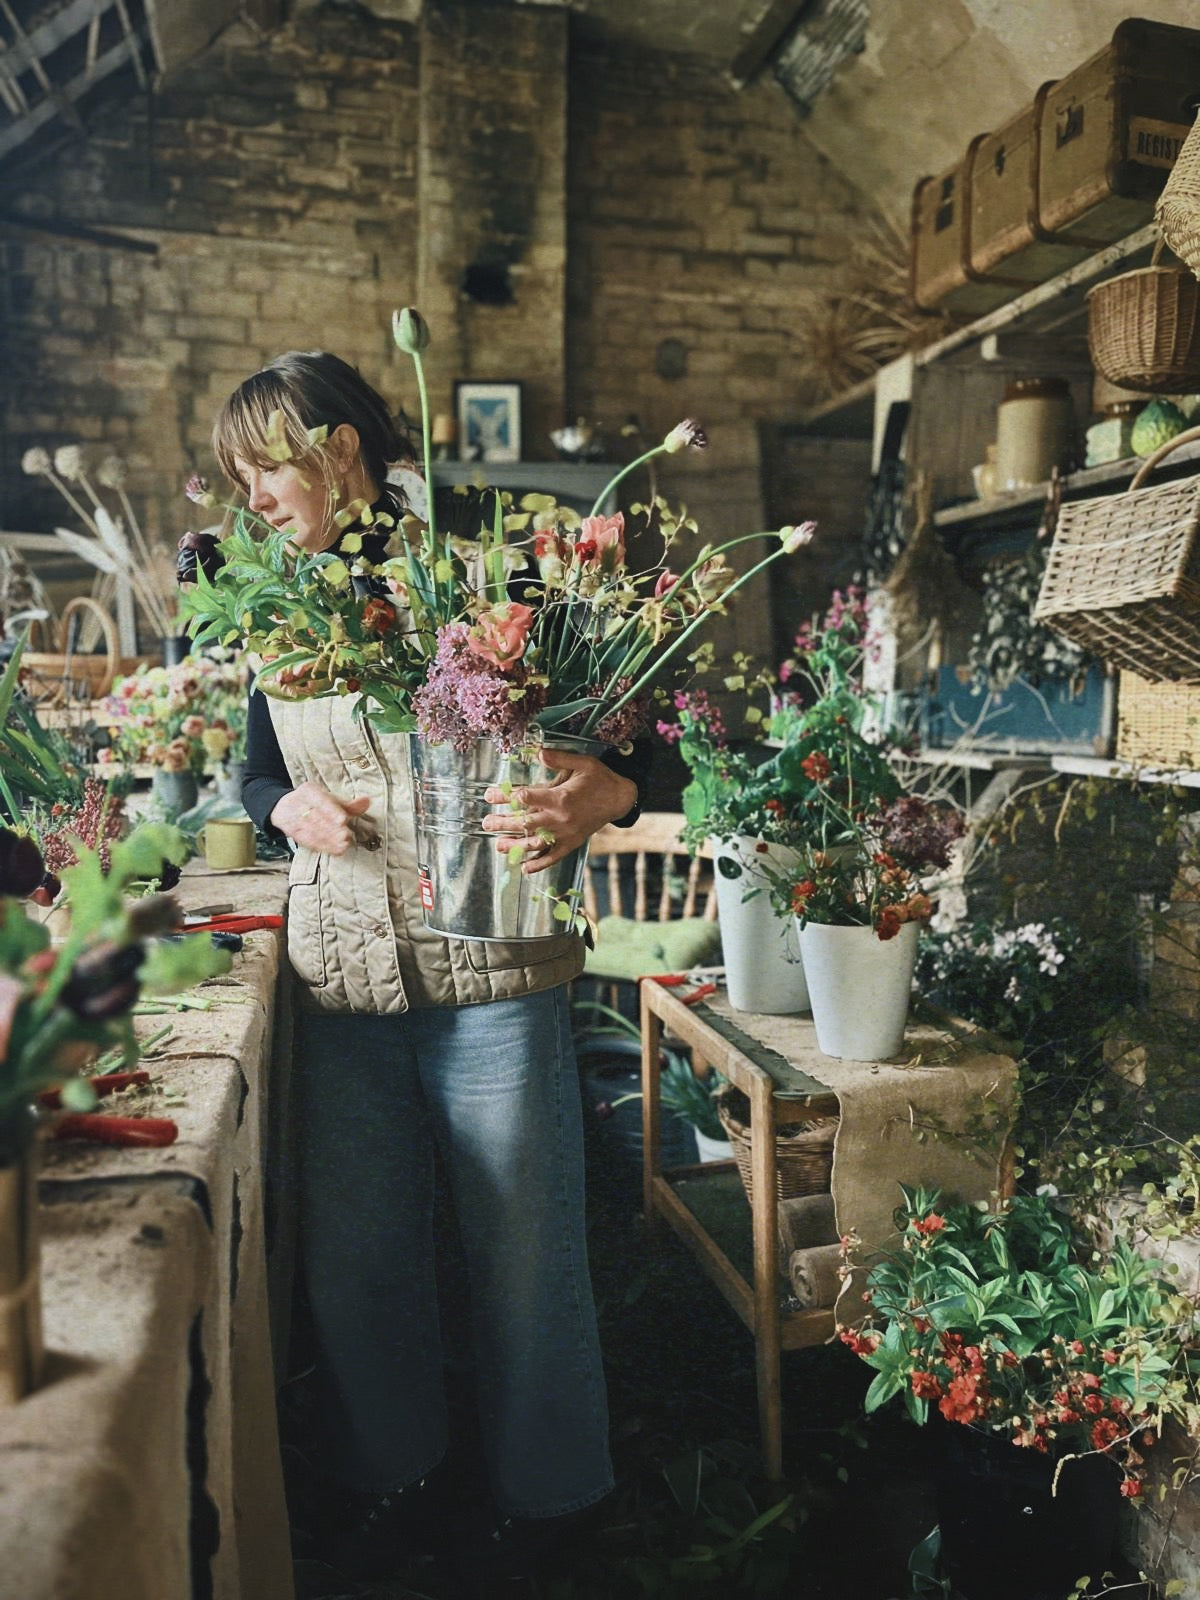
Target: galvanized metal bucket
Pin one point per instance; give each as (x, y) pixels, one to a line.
(468, 888)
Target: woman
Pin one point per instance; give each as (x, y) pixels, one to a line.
(409, 1040)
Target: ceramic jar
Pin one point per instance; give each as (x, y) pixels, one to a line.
(1035, 426)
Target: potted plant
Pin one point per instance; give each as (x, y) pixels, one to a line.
(480, 672)
(1048, 1376)
(761, 810)
(61, 1006)
(860, 895)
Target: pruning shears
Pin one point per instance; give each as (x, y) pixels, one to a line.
(675, 980)
(98, 1127)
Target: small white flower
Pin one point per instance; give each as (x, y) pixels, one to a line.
(36, 462)
(68, 462)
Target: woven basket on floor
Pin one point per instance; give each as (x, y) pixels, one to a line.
(1158, 724)
(803, 1150)
(1178, 210)
(1144, 329)
(1123, 575)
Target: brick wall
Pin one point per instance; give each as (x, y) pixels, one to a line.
(278, 180)
(298, 187)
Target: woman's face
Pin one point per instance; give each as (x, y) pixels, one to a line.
(289, 497)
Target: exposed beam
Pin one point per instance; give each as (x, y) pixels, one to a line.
(18, 132)
(76, 233)
(764, 37)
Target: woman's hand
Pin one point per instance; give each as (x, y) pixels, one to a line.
(317, 819)
(551, 820)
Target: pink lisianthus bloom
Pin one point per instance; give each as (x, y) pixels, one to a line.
(602, 539)
(500, 633)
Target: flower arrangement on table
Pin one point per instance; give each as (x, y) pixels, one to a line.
(433, 638)
(991, 1317)
(62, 1005)
(180, 718)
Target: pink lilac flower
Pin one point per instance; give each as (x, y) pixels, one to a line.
(467, 697)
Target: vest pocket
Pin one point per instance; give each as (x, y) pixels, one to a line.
(495, 955)
(306, 943)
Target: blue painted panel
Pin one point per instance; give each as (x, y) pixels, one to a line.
(1049, 719)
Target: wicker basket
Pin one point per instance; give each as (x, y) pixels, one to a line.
(1178, 210)
(1144, 329)
(1158, 724)
(1123, 575)
(803, 1150)
(52, 677)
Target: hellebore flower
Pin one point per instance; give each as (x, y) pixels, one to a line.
(198, 551)
(410, 330)
(684, 434)
(21, 865)
(102, 983)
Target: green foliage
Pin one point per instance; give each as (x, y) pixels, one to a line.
(992, 1315)
(38, 767)
(62, 1005)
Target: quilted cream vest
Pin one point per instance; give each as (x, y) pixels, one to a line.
(355, 935)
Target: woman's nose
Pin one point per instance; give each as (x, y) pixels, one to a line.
(259, 499)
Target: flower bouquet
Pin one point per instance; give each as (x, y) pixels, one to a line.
(991, 1321)
(529, 627)
(181, 718)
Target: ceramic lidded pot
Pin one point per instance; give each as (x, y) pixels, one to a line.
(1035, 428)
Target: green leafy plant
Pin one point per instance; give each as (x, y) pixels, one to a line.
(992, 1317)
(62, 1005)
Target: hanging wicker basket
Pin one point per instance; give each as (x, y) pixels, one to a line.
(1123, 575)
(1178, 209)
(803, 1150)
(1144, 329)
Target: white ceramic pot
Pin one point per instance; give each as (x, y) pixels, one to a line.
(712, 1149)
(763, 969)
(860, 986)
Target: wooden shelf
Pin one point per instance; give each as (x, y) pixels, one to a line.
(1010, 509)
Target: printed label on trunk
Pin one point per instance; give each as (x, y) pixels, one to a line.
(1155, 144)
(426, 887)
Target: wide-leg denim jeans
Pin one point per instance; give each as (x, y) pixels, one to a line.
(496, 1087)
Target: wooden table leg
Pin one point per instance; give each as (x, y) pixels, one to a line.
(765, 1219)
(651, 1114)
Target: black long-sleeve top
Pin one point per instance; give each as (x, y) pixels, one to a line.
(267, 780)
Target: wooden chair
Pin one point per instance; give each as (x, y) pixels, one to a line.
(654, 906)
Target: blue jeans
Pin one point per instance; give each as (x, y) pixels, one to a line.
(497, 1088)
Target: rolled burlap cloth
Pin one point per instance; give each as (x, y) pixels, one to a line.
(815, 1275)
(805, 1220)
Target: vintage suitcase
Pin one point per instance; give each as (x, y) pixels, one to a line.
(1005, 240)
(1111, 130)
(941, 275)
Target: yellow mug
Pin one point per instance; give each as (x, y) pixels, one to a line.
(228, 843)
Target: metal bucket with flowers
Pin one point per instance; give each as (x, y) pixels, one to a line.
(487, 650)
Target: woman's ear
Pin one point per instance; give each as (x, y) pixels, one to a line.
(344, 445)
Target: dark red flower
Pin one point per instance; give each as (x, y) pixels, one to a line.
(816, 767)
(378, 615)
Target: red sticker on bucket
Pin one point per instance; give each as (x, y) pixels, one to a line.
(426, 883)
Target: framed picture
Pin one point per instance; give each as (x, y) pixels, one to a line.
(489, 421)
